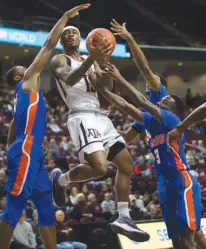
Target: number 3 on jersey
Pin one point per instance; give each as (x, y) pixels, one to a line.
(157, 156)
(89, 87)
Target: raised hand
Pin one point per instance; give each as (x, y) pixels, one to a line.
(119, 29)
(75, 11)
(173, 136)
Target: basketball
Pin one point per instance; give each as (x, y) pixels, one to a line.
(96, 35)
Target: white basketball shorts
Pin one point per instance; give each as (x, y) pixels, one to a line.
(91, 132)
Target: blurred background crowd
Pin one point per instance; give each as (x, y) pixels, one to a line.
(172, 36)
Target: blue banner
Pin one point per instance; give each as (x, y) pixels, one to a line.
(36, 39)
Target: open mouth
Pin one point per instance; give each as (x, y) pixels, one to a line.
(70, 40)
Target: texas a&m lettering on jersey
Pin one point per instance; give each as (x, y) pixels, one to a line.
(94, 133)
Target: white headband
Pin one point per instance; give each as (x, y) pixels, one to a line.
(70, 27)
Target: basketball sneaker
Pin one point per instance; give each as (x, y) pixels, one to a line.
(125, 226)
(58, 191)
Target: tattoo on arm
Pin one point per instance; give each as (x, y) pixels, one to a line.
(142, 64)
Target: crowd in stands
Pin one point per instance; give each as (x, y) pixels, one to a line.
(94, 202)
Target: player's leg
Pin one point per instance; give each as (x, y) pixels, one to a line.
(124, 163)
(176, 243)
(96, 167)
(200, 239)
(187, 239)
(42, 199)
(170, 212)
(46, 218)
(120, 156)
(117, 153)
(85, 131)
(17, 193)
(12, 213)
(188, 211)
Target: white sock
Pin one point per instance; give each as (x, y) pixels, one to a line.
(64, 179)
(123, 209)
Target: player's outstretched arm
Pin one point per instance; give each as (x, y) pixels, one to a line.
(11, 134)
(196, 116)
(62, 70)
(138, 98)
(104, 88)
(121, 103)
(129, 135)
(138, 55)
(39, 62)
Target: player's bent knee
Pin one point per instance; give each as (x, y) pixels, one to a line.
(99, 163)
(127, 168)
(45, 209)
(101, 169)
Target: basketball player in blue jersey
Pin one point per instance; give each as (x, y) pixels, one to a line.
(176, 135)
(182, 209)
(27, 176)
(156, 89)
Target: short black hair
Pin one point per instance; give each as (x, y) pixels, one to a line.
(10, 77)
(162, 80)
(180, 106)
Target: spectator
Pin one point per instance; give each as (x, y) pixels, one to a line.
(73, 195)
(135, 212)
(85, 190)
(110, 183)
(140, 204)
(50, 165)
(104, 189)
(194, 172)
(29, 210)
(53, 149)
(65, 143)
(53, 126)
(81, 209)
(155, 212)
(65, 234)
(108, 205)
(62, 152)
(23, 236)
(94, 206)
(145, 169)
(189, 98)
(35, 228)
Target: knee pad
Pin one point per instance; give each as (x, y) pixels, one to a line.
(45, 209)
(14, 209)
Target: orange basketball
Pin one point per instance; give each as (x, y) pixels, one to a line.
(96, 35)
